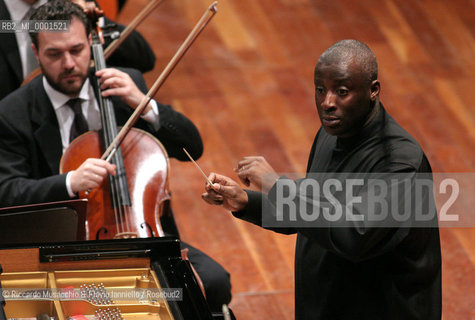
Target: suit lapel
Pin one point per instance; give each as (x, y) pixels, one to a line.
(47, 133)
(9, 45)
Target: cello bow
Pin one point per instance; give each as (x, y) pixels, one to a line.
(201, 24)
(131, 27)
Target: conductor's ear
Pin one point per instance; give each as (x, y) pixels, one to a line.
(375, 89)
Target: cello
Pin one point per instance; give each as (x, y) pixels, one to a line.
(129, 204)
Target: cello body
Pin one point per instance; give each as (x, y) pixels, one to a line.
(145, 168)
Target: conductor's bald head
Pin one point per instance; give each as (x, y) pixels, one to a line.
(347, 51)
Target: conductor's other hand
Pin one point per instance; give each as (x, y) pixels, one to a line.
(90, 174)
(256, 171)
(225, 192)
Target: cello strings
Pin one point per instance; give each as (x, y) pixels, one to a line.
(120, 187)
(116, 203)
(107, 116)
(105, 124)
(122, 202)
(120, 197)
(115, 191)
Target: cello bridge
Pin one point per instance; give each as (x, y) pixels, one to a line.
(126, 235)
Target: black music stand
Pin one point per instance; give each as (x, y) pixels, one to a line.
(42, 223)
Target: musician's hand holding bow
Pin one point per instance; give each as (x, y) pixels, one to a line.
(226, 192)
(117, 83)
(90, 174)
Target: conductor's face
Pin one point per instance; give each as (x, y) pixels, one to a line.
(344, 97)
(64, 57)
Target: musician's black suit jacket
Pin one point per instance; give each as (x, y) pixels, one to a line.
(134, 52)
(31, 149)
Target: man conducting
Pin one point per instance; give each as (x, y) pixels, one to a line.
(347, 270)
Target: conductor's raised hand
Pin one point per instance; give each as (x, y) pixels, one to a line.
(117, 83)
(256, 171)
(225, 192)
(90, 174)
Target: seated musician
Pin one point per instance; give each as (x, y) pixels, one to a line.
(17, 60)
(37, 122)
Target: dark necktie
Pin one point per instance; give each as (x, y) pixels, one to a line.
(79, 125)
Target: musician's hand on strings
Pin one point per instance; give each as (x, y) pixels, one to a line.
(225, 192)
(256, 171)
(90, 174)
(117, 83)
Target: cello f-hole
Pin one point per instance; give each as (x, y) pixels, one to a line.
(104, 230)
(144, 225)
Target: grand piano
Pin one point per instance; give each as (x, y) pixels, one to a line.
(43, 278)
